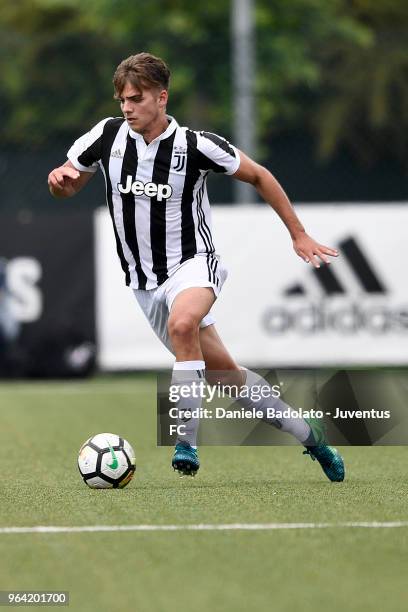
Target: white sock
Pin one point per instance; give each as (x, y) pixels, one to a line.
(186, 373)
(298, 427)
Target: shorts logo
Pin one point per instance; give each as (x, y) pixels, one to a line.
(151, 190)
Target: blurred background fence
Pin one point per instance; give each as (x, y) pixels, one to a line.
(329, 88)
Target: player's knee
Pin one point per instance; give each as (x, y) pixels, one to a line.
(184, 326)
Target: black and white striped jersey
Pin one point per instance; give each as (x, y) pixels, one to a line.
(156, 193)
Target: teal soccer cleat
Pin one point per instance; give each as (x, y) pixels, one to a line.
(329, 458)
(185, 459)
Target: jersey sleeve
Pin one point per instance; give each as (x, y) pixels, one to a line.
(86, 152)
(216, 153)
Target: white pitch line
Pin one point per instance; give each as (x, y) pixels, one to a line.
(202, 527)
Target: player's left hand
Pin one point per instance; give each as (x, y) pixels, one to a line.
(311, 251)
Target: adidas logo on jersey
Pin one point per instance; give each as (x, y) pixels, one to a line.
(118, 153)
(151, 190)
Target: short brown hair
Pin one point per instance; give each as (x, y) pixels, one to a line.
(143, 71)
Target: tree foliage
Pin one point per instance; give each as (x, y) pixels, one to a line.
(336, 69)
(364, 96)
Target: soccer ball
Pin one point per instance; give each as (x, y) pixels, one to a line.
(106, 461)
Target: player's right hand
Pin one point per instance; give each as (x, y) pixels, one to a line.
(61, 181)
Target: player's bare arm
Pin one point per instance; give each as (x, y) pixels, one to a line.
(271, 191)
(65, 181)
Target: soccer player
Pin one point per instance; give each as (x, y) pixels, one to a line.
(155, 173)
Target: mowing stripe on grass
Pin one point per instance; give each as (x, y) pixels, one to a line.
(201, 527)
(30, 389)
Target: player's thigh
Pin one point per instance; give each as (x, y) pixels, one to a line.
(191, 305)
(155, 309)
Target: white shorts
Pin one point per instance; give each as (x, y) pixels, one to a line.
(200, 271)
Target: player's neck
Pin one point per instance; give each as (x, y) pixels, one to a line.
(155, 130)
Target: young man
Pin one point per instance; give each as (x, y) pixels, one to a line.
(155, 173)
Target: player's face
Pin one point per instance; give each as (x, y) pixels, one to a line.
(142, 109)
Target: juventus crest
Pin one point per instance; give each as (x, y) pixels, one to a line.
(179, 157)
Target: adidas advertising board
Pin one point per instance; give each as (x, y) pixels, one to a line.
(354, 311)
(275, 310)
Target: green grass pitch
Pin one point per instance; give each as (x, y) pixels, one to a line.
(336, 569)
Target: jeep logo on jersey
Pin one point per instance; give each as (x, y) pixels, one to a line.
(151, 190)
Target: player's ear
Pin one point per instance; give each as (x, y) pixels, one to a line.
(163, 97)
